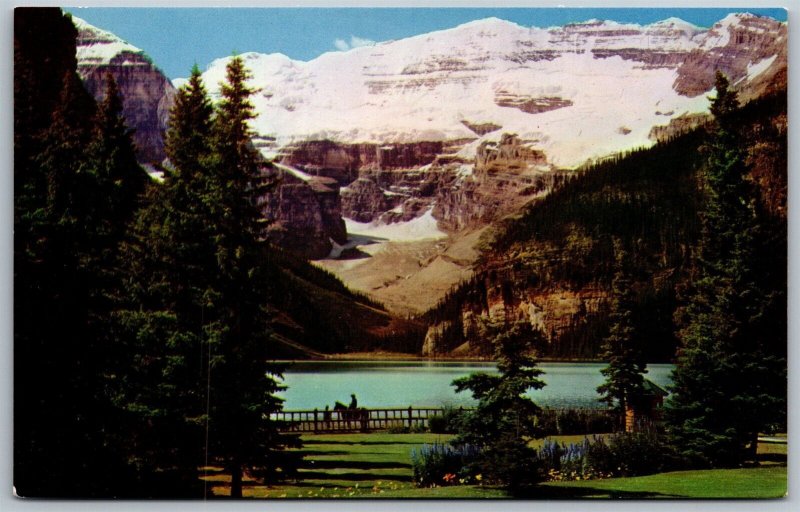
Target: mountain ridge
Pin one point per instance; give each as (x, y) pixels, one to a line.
(466, 125)
(338, 95)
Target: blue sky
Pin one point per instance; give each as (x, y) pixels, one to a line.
(177, 38)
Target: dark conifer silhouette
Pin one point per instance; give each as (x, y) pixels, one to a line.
(728, 384)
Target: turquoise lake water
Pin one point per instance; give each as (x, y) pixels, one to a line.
(314, 384)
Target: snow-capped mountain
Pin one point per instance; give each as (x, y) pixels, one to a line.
(146, 93)
(443, 133)
(579, 91)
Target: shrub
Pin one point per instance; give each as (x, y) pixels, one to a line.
(625, 454)
(601, 459)
(509, 463)
(447, 422)
(642, 453)
(570, 421)
(403, 428)
(600, 421)
(547, 421)
(418, 428)
(575, 421)
(443, 464)
(559, 461)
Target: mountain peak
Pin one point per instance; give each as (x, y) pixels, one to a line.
(98, 46)
(490, 22)
(739, 18)
(675, 22)
(146, 93)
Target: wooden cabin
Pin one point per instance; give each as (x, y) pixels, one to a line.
(647, 409)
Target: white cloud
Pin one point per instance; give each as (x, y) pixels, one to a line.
(355, 42)
(341, 45)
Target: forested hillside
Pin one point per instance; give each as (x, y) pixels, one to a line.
(315, 309)
(553, 264)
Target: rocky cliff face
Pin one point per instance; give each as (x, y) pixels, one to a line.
(363, 200)
(678, 125)
(304, 213)
(750, 50)
(554, 312)
(505, 176)
(390, 182)
(346, 162)
(400, 182)
(147, 94)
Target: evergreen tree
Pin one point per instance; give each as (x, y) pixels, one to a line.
(196, 315)
(168, 262)
(626, 365)
(119, 176)
(179, 235)
(726, 386)
(243, 384)
(65, 232)
(505, 419)
(55, 398)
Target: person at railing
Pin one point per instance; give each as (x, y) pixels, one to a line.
(326, 417)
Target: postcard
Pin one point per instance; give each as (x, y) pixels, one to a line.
(400, 252)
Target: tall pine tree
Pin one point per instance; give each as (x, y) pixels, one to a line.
(163, 316)
(65, 233)
(626, 365)
(243, 385)
(196, 314)
(114, 154)
(727, 382)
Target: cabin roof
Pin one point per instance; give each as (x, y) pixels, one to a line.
(651, 388)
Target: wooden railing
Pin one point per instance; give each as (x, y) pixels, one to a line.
(553, 420)
(355, 420)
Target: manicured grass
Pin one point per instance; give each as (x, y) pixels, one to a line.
(766, 481)
(348, 465)
(379, 466)
(760, 482)
(772, 453)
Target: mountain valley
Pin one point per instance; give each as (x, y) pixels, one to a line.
(397, 162)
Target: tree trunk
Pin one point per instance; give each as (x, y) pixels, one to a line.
(236, 480)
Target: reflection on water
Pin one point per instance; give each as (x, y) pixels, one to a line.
(314, 384)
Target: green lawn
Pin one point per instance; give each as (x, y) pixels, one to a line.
(379, 466)
(351, 465)
(760, 482)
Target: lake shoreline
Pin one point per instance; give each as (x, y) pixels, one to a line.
(389, 383)
(401, 356)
